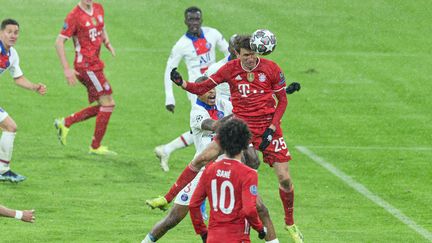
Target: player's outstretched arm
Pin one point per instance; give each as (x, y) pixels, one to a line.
(70, 73)
(26, 84)
(25, 215)
(194, 88)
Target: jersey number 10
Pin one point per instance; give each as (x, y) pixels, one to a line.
(218, 199)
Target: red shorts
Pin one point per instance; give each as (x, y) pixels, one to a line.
(277, 151)
(221, 235)
(95, 82)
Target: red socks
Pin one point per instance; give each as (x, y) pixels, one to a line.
(288, 205)
(186, 176)
(102, 120)
(82, 115)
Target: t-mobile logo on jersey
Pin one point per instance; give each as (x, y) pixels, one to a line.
(243, 89)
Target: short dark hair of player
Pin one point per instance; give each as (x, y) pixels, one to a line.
(234, 136)
(242, 41)
(8, 22)
(192, 10)
(201, 79)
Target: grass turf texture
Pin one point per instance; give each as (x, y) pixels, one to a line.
(364, 67)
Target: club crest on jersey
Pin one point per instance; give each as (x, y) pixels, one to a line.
(94, 21)
(250, 77)
(253, 190)
(100, 18)
(262, 77)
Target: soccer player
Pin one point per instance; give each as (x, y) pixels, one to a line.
(25, 215)
(9, 60)
(85, 24)
(204, 118)
(253, 83)
(198, 49)
(231, 188)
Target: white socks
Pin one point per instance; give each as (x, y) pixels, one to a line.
(273, 241)
(6, 148)
(179, 143)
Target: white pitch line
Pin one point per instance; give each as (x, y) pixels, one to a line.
(369, 147)
(365, 192)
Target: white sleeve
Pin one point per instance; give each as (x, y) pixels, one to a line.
(226, 107)
(173, 61)
(197, 116)
(222, 44)
(15, 69)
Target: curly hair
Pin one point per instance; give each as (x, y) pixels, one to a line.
(234, 136)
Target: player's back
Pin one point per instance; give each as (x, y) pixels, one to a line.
(224, 186)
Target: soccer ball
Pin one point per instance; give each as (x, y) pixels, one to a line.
(263, 42)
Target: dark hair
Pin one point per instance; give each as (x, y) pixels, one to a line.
(192, 9)
(234, 136)
(201, 79)
(242, 41)
(6, 22)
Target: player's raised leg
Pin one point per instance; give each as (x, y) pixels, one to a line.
(210, 153)
(8, 127)
(164, 151)
(63, 124)
(286, 193)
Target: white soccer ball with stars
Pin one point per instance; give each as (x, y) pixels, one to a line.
(263, 42)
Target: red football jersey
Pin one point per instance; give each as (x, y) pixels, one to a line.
(231, 188)
(252, 92)
(86, 30)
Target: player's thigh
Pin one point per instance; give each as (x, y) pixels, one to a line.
(250, 158)
(6, 122)
(282, 171)
(184, 196)
(96, 83)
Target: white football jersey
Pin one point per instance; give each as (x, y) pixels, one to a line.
(196, 56)
(223, 89)
(199, 113)
(10, 61)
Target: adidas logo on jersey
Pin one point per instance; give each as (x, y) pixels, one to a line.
(87, 24)
(238, 77)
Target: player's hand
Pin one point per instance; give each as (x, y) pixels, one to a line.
(293, 87)
(28, 216)
(70, 75)
(110, 49)
(262, 233)
(41, 89)
(267, 137)
(204, 237)
(176, 77)
(170, 108)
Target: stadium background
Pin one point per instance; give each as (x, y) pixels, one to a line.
(364, 107)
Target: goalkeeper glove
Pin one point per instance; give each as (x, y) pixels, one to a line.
(176, 77)
(267, 137)
(293, 87)
(262, 233)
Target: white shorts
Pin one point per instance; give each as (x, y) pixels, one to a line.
(184, 196)
(3, 114)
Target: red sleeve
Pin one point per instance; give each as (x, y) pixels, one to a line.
(201, 88)
(280, 107)
(278, 78)
(249, 195)
(198, 197)
(217, 78)
(69, 26)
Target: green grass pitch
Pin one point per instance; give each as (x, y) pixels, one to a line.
(365, 107)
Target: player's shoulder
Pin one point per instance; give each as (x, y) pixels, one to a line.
(266, 61)
(13, 52)
(210, 32)
(98, 7)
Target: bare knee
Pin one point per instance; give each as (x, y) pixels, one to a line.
(286, 184)
(250, 158)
